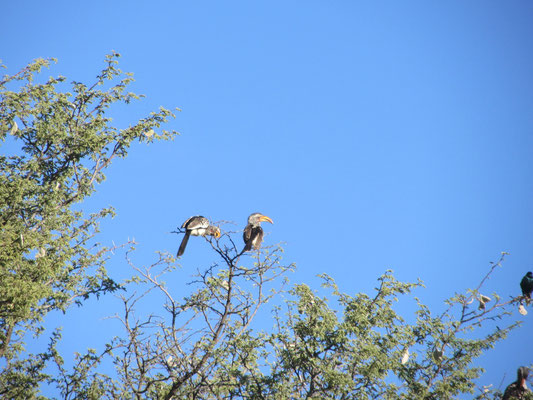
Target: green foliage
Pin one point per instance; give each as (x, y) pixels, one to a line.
(205, 344)
(63, 142)
(370, 352)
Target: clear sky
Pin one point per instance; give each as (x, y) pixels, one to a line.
(377, 135)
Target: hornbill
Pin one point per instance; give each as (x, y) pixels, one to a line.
(526, 284)
(253, 233)
(197, 226)
(518, 389)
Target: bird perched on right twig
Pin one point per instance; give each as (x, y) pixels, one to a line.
(253, 233)
(518, 389)
(526, 284)
(197, 226)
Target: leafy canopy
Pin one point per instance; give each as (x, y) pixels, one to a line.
(63, 142)
(204, 344)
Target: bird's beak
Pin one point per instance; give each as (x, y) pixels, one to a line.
(264, 218)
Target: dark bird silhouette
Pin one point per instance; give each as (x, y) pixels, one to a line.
(253, 233)
(197, 226)
(518, 389)
(526, 284)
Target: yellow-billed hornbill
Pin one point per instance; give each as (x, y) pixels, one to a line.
(197, 226)
(253, 233)
(518, 389)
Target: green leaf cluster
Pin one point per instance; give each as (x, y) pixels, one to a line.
(338, 346)
(63, 141)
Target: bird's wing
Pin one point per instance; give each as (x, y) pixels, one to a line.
(247, 237)
(196, 222)
(253, 236)
(184, 225)
(526, 284)
(530, 283)
(512, 392)
(247, 233)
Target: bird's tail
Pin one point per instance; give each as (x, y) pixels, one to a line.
(183, 244)
(248, 246)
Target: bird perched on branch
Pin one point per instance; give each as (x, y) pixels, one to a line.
(197, 226)
(526, 284)
(253, 233)
(518, 389)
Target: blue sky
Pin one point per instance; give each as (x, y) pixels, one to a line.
(376, 135)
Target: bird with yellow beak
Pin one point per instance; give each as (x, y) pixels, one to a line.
(253, 233)
(197, 226)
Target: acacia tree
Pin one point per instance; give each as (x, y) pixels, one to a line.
(207, 344)
(63, 142)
